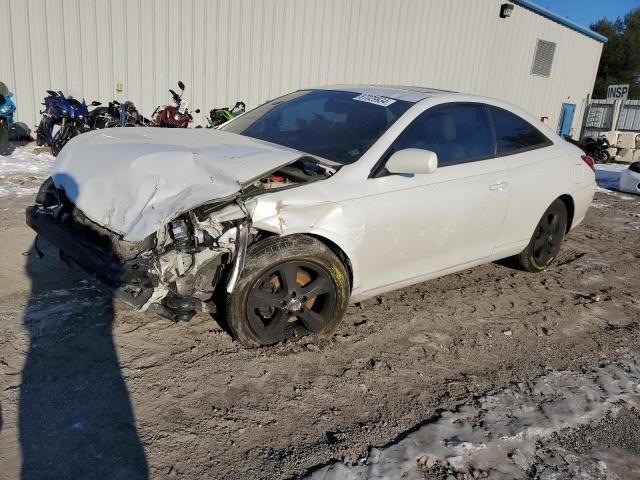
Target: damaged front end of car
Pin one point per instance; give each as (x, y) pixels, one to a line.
(183, 267)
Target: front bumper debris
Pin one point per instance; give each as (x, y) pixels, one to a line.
(129, 281)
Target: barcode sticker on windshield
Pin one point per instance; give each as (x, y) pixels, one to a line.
(375, 99)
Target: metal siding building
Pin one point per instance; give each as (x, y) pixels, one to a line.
(254, 50)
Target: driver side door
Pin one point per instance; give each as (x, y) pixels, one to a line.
(420, 224)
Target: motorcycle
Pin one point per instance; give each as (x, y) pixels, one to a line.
(596, 148)
(10, 130)
(171, 116)
(218, 116)
(128, 115)
(117, 114)
(62, 119)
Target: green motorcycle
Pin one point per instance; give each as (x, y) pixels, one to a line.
(218, 116)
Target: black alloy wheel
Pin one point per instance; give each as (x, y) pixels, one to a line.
(547, 236)
(292, 286)
(289, 297)
(546, 240)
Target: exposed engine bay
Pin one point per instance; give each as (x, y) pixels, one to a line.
(177, 270)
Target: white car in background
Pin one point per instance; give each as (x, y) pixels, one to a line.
(630, 179)
(313, 199)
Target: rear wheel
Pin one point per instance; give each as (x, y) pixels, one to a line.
(292, 286)
(601, 156)
(546, 240)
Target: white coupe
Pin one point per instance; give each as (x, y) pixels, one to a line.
(285, 214)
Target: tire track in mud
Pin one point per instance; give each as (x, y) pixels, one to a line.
(205, 407)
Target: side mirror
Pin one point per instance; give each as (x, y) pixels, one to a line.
(52, 93)
(197, 110)
(95, 103)
(412, 161)
(181, 85)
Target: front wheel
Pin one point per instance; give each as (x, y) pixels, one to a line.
(292, 286)
(4, 137)
(546, 240)
(61, 138)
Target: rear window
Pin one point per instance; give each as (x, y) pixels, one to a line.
(513, 134)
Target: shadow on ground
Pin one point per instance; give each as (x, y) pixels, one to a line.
(75, 414)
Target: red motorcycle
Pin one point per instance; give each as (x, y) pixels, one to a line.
(171, 116)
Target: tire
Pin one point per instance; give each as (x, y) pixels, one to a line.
(605, 156)
(4, 138)
(61, 138)
(41, 138)
(57, 144)
(263, 310)
(546, 240)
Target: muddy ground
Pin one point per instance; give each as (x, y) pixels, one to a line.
(91, 389)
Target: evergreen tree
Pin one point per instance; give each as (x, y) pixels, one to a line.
(620, 62)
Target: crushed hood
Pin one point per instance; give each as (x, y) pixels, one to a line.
(135, 180)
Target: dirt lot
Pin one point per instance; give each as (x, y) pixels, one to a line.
(91, 389)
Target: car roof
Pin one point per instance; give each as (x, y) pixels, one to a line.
(397, 92)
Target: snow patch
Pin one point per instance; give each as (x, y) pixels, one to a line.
(22, 171)
(500, 434)
(25, 160)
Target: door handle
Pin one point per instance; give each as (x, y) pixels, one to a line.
(498, 186)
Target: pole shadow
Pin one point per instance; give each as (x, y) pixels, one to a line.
(75, 418)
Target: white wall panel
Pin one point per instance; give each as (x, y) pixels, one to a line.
(253, 50)
(72, 59)
(55, 49)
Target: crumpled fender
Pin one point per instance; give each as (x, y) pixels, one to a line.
(329, 220)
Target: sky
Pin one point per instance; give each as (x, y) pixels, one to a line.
(585, 12)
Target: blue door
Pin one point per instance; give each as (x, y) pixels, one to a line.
(566, 119)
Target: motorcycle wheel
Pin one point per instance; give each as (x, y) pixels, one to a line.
(599, 156)
(41, 139)
(61, 138)
(4, 137)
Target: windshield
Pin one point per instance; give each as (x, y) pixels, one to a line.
(336, 125)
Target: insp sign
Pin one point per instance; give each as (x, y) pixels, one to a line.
(618, 92)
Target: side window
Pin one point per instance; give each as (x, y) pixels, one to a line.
(457, 133)
(514, 134)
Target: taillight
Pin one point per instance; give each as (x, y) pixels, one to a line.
(589, 161)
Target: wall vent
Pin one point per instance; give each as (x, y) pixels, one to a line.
(543, 58)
